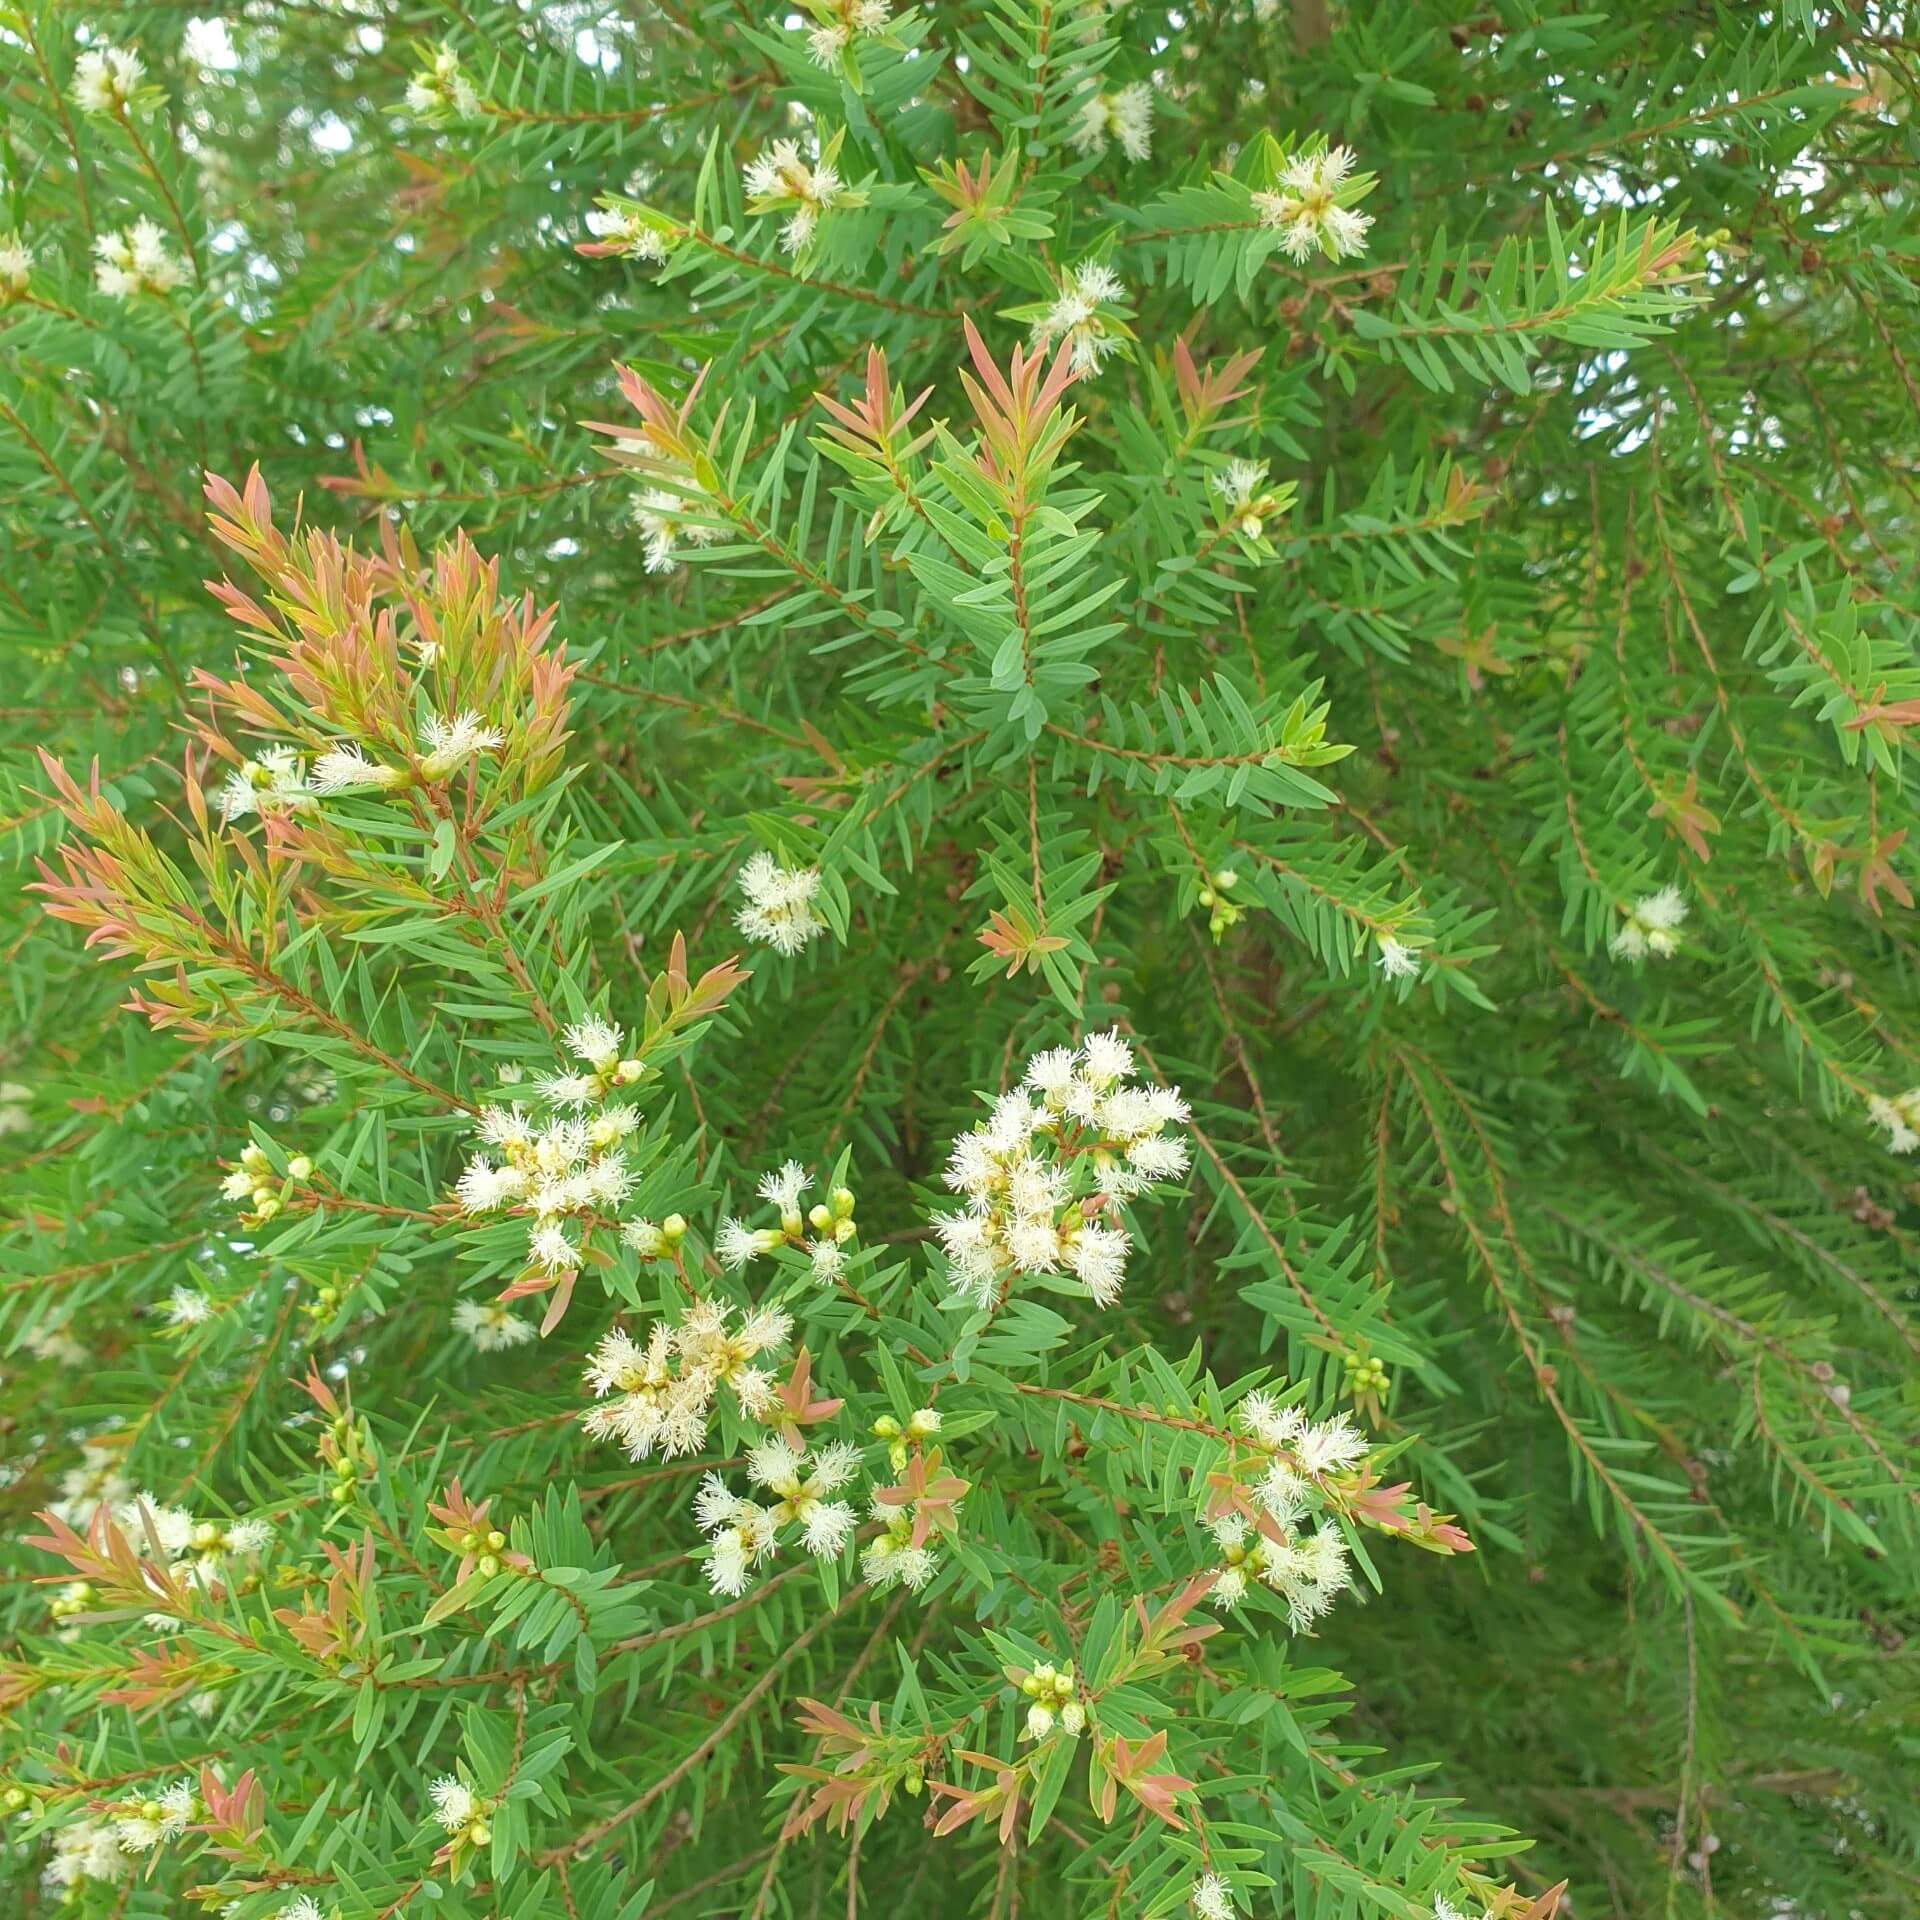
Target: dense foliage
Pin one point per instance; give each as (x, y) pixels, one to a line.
(616, 617)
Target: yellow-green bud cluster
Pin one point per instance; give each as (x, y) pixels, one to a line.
(1365, 1375)
(1052, 1693)
(1222, 912)
(920, 1426)
(253, 1182)
(76, 1597)
(484, 1543)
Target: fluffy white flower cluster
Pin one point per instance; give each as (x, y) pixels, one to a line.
(836, 24)
(1244, 496)
(96, 1482)
(624, 231)
(1125, 116)
(743, 1532)
(443, 91)
(892, 1559)
(779, 912)
(54, 1340)
(105, 79)
(1397, 960)
(1076, 317)
(188, 1307)
(1212, 1898)
(658, 1397)
(460, 1811)
(1269, 1543)
(491, 1326)
(571, 1165)
(198, 1551)
(1900, 1116)
(778, 180)
(16, 264)
(1305, 210)
(665, 524)
(86, 1850)
(1314, 1446)
(254, 1183)
(1652, 927)
(136, 260)
(1309, 1571)
(1054, 1157)
(142, 1825)
(831, 1221)
(278, 780)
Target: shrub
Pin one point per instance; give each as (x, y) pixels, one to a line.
(1033, 865)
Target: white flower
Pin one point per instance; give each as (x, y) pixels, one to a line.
(452, 1802)
(452, 743)
(1108, 1058)
(490, 1326)
(1126, 116)
(826, 43)
(1396, 961)
(247, 1536)
(274, 783)
(1330, 1446)
(1900, 1116)
(784, 1188)
(54, 1343)
(663, 520)
(303, 1906)
(1212, 1898)
(645, 1238)
(188, 1307)
(105, 79)
(734, 1245)
(1652, 926)
(1075, 316)
(594, 1041)
(1050, 1074)
(1097, 1258)
(1270, 1424)
(1237, 483)
(483, 1186)
(16, 264)
(157, 1820)
(778, 179)
(506, 1127)
(135, 260)
(826, 1528)
(636, 237)
(171, 1526)
(779, 911)
(550, 1248)
(86, 1851)
(347, 769)
(443, 91)
(95, 1482)
(1305, 211)
(829, 1260)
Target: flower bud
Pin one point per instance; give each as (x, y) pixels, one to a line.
(489, 1564)
(1039, 1722)
(299, 1167)
(1073, 1719)
(843, 1201)
(496, 1539)
(819, 1219)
